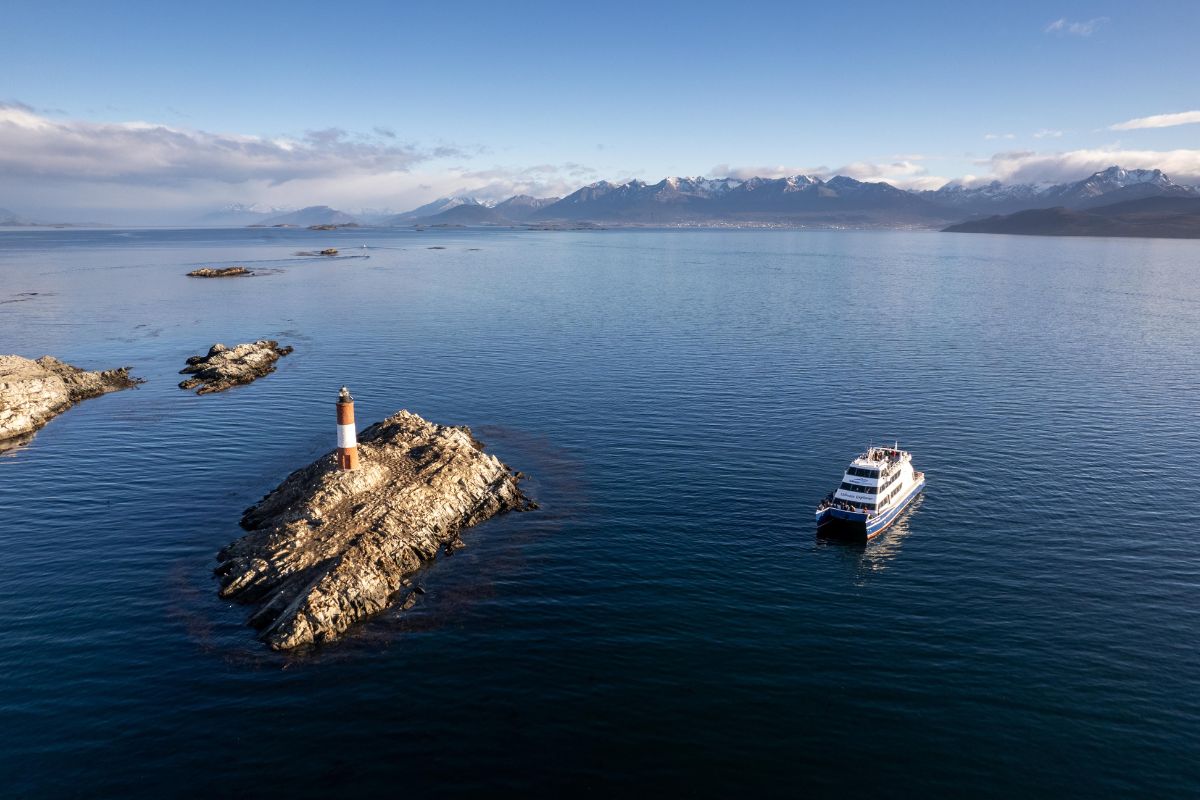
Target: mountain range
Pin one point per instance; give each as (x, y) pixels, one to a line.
(794, 201)
(805, 199)
(798, 200)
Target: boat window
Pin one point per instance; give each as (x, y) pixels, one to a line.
(851, 487)
(861, 472)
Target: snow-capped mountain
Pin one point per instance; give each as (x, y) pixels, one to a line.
(1112, 185)
(991, 198)
(441, 205)
(312, 215)
(243, 214)
(522, 206)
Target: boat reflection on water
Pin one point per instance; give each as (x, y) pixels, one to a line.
(874, 556)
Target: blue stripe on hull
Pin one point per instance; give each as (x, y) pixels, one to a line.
(880, 524)
(835, 520)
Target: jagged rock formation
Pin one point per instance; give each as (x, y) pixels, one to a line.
(34, 392)
(329, 547)
(224, 367)
(219, 272)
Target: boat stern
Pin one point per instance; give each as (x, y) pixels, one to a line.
(839, 522)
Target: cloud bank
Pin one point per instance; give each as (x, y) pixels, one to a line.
(32, 145)
(906, 172)
(1183, 166)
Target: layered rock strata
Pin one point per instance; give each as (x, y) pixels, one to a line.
(224, 367)
(34, 392)
(328, 547)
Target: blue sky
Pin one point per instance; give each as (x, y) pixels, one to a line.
(379, 104)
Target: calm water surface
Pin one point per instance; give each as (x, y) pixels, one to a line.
(667, 623)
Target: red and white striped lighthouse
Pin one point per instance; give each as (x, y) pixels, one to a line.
(347, 441)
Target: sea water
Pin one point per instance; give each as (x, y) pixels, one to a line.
(667, 622)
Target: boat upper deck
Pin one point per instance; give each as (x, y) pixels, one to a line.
(881, 458)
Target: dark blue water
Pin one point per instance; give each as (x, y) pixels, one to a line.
(667, 623)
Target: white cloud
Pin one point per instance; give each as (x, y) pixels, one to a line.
(1064, 27)
(895, 172)
(540, 180)
(1046, 133)
(1158, 121)
(991, 136)
(924, 182)
(775, 171)
(1183, 166)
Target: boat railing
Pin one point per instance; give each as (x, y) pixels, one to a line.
(830, 501)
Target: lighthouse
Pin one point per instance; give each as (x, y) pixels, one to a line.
(347, 442)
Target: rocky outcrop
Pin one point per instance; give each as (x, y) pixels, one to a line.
(225, 367)
(34, 392)
(219, 272)
(329, 547)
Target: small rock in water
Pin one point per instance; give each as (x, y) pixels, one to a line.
(225, 367)
(219, 272)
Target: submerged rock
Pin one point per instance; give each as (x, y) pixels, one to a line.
(329, 547)
(34, 392)
(219, 272)
(224, 367)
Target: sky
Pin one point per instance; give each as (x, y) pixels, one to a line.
(159, 112)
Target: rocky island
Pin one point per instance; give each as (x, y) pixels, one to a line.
(329, 547)
(224, 367)
(219, 272)
(34, 392)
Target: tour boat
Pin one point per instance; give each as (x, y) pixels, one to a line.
(877, 487)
